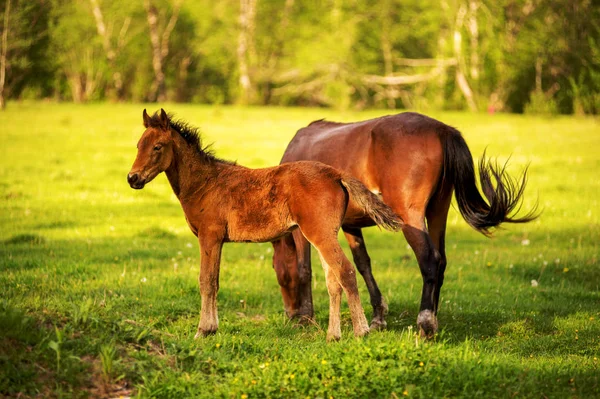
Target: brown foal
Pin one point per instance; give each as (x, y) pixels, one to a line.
(415, 163)
(224, 202)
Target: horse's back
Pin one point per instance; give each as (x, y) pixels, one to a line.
(399, 156)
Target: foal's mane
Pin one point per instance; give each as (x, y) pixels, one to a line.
(190, 134)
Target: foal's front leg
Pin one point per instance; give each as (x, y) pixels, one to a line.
(210, 259)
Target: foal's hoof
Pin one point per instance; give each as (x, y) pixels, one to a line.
(333, 337)
(361, 332)
(202, 333)
(427, 323)
(378, 324)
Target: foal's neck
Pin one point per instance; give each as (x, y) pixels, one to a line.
(191, 170)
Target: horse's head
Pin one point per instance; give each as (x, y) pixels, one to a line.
(155, 150)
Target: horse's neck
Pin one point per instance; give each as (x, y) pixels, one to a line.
(190, 173)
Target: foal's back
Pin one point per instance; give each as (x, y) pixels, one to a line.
(281, 198)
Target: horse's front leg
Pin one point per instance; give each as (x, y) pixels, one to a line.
(210, 259)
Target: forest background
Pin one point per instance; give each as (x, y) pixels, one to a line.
(534, 56)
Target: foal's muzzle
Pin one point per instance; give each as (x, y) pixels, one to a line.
(135, 181)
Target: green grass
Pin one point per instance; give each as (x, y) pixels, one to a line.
(99, 292)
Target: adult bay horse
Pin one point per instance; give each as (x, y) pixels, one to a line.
(414, 163)
(225, 202)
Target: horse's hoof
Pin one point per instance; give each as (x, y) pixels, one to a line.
(384, 306)
(427, 323)
(378, 325)
(303, 320)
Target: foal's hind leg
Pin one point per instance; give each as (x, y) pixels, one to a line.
(339, 272)
(334, 288)
(363, 264)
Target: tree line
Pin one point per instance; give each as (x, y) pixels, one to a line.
(538, 56)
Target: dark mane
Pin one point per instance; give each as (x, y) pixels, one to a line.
(325, 122)
(190, 134)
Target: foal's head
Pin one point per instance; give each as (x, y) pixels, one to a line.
(155, 150)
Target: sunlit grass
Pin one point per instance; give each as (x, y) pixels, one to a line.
(88, 265)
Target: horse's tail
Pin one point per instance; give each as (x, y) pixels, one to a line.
(503, 201)
(376, 209)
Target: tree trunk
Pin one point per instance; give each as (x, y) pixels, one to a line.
(277, 53)
(247, 13)
(110, 52)
(538, 74)
(3, 53)
(160, 48)
(474, 36)
(461, 79)
(386, 48)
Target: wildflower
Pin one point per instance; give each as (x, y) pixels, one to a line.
(292, 376)
(253, 382)
(218, 345)
(323, 361)
(565, 270)
(421, 364)
(511, 266)
(489, 264)
(244, 396)
(405, 393)
(545, 263)
(143, 280)
(525, 242)
(557, 261)
(534, 283)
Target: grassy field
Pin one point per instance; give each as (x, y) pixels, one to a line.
(99, 293)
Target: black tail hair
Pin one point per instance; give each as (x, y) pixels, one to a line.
(504, 200)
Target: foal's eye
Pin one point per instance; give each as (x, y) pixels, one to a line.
(157, 147)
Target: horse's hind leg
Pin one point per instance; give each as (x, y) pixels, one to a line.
(428, 257)
(363, 264)
(437, 215)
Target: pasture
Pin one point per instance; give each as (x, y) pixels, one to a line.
(98, 282)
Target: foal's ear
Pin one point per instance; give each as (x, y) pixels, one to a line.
(146, 119)
(164, 120)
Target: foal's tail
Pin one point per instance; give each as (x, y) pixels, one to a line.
(377, 210)
(503, 201)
